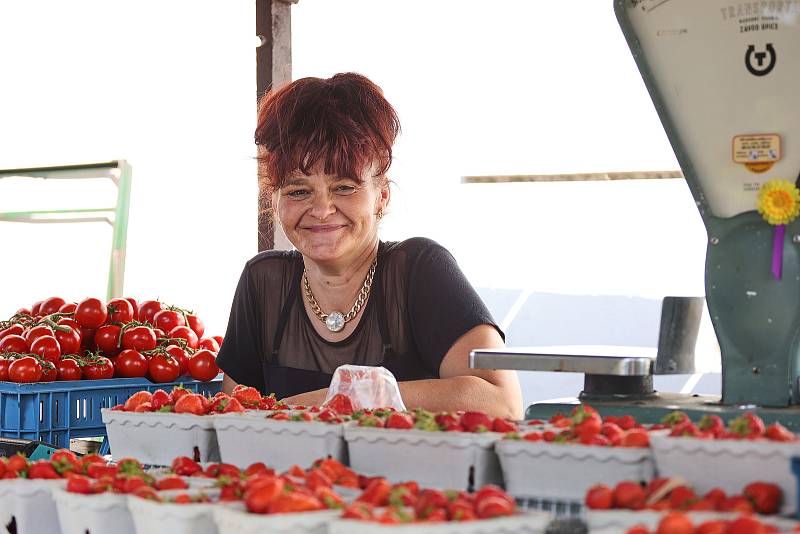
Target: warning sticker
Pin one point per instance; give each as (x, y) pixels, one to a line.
(757, 152)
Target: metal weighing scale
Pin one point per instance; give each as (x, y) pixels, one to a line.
(725, 80)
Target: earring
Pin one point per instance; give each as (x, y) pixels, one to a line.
(379, 215)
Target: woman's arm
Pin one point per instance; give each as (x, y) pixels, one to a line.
(459, 388)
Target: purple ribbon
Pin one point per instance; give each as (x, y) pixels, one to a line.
(777, 251)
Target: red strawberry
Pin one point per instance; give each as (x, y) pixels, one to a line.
(340, 404)
(399, 420)
(748, 425)
(766, 497)
(248, 396)
(713, 424)
(600, 497)
(502, 425)
(476, 422)
(159, 400)
(675, 418)
(191, 403)
(629, 494)
(778, 432)
(136, 399)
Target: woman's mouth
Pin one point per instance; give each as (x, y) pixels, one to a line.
(323, 228)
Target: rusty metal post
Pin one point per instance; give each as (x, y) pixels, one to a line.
(273, 69)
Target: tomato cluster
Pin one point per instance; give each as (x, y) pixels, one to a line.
(92, 339)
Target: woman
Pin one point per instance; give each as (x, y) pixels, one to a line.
(343, 296)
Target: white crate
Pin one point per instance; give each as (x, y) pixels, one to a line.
(728, 464)
(434, 459)
(31, 503)
(546, 470)
(158, 437)
(279, 444)
(235, 520)
(104, 512)
(151, 517)
(522, 523)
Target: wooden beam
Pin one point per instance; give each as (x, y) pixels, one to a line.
(581, 177)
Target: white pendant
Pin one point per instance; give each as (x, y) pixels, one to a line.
(334, 321)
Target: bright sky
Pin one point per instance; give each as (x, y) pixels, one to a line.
(503, 87)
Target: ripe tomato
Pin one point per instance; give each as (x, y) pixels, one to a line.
(180, 356)
(106, 338)
(148, 310)
(35, 308)
(15, 329)
(47, 347)
(68, 369)
(69, 307)
(69, 340)
(218, 339)
(131, 364)
(163, 368)
(4, 363)
(208, 343)
(91, 312)
(166, 320)
(98, 369)
(49, 373)
(196, 324)
(13, 343)
(25, 370)
(203, 366)
(139, 338)
(135, 307)
(37, 332)
(186, 333)
(119, 310)
(51, 305)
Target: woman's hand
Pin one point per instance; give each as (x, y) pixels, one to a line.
(310, 398)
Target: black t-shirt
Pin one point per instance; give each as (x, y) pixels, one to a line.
(420, 301)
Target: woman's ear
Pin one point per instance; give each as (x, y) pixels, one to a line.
(384, 195)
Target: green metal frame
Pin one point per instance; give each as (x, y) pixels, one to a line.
(120, 173)
(756, 318)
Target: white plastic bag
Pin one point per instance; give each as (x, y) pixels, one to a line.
(366, 387)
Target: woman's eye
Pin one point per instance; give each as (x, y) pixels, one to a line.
(297, 193)
(344, 189)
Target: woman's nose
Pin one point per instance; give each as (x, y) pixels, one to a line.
(322, 206)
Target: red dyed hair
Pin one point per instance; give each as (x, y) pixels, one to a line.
(343, 122)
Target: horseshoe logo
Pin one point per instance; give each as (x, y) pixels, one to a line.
(760, 69)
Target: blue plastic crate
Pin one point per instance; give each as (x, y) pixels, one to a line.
(55, 412)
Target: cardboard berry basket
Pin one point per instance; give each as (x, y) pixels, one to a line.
(728, 464)
(542, 470)
(31, 504)
(615, 521)
(156, 438)
(521, 523)
(244, 440)
(103, 512)
(442, 460)
(235, 520)
(151, 517)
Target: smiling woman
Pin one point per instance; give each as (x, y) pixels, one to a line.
(343, 296)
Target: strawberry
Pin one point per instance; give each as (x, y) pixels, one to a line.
(476, 422)
(712, 424)
(65, 461)
(737, 503)
(261, 493)
(358, 510)
(713, 526)
(341, 404)
(503, 425)
(143, 407)
(612, 431)
(686, 429)
(428, 501)
(376, 493)
(401, 496)
(177, 393)
(717, 496)
(42, 469)
(626, 422)
(129, 466)
(248, 396)
(745, 525)
(600, 497)
(329, 498)
(630, 495)
(766, 497)
(461, 510)
(445, 419)
(532, 436)
(294, 502)
(267, 402)
(586, 422)
(491, 501)
(675, 418)
(136, 399)
(400, 420)
(369, 420)
(682, 497)
(636, 437)
(171, 482)
(159, 400)
(675, 523)
(778, 432)
(190, 403)
(748, 425)
(185, 466)
(79, 484)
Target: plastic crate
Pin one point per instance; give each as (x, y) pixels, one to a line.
(55, 412)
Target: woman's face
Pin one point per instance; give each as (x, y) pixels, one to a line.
(328, 218)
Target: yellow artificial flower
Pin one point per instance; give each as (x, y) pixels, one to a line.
(779, 202)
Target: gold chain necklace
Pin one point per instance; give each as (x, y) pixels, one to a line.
(336, 320)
